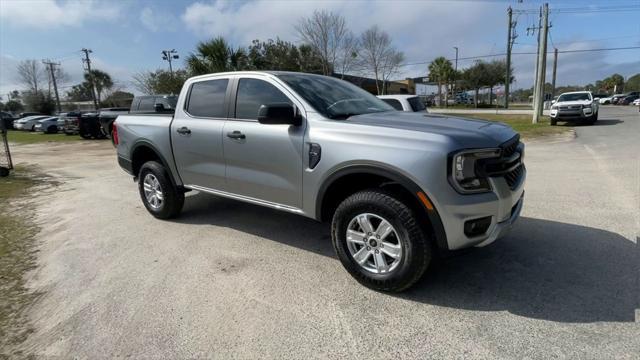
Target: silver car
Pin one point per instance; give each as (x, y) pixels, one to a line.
(28, 123)
(50, 125)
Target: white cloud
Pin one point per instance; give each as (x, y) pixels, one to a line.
(155, 20)
(45, 14)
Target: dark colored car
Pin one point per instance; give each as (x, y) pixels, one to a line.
(616, 100)
(107, 116)
(82, 123)
(146, 104)
(627, 100)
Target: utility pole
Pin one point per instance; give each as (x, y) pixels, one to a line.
(555, 65)
(87, 61)
(455, 73)
(511, 37)
(542, 50)
(169, 55)
(51, 65)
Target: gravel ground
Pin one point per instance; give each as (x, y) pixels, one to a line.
(229, 279)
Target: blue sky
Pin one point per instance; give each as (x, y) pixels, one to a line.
(127, 36)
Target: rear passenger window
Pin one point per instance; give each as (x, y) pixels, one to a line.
(207, 98)
(146, 104)
(393, 102)
(252, 93)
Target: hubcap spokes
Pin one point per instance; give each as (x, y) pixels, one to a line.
(373, 243)
(152, 191)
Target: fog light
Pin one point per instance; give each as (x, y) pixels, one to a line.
(477, 226)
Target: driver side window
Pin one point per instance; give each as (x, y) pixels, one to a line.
(252, 93)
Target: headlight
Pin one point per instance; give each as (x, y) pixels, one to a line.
(587, 106)
(464, 175)
(554, 107)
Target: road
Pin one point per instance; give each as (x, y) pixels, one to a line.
(229, 279)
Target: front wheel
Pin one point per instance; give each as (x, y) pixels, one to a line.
(379, 241)
(553, 122)
(159, 196)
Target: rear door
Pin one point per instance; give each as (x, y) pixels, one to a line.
(263, 161)
(196, 134)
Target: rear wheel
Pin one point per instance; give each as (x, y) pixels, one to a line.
(159, 196)
(379, 241)
(52, 130)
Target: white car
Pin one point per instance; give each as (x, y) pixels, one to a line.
(605, 100)
(28, 123)
(636, 102)
(410, 103)
(575, 106)
(50, 125)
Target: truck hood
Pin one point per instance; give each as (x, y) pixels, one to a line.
(577, 102)
(468, 133)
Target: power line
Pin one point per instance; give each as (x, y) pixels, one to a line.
(527, 53)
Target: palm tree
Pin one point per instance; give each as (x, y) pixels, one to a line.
(101, 81)
(441, 71)
(216, 55)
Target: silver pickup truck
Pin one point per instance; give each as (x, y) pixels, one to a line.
(399, 188)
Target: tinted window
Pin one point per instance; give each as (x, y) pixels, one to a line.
(393, 102)
(169, 102)
(252, 93)
(146, 104)
(416, 104)
(207, 98)
(334, 98)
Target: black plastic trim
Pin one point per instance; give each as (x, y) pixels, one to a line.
(125, 164)
(413, 188)
(144, 143)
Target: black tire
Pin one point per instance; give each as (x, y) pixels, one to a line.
(173, 198)
(52, 130)
(417, 248)
(33, 128)
(4, 172)
(85, 135)
(553, 121)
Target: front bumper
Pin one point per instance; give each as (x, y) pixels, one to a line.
(503, 205)
(578, 114)
(18, 126)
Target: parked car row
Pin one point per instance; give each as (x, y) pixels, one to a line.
(621, 99)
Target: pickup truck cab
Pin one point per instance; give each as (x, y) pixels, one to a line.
(409, 103)
(399, 188)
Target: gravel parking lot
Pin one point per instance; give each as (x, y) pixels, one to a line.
(229, 279)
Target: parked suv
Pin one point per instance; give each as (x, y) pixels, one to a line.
(575, 106)
(398, 187)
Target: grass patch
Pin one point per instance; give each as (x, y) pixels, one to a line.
(17, 256)
(26, 137)
(522, 124)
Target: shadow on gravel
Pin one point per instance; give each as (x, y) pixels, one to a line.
(605, 122)
(544, 269)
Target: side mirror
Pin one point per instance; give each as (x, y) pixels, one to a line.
(278, 114)
(596, 99)
(553, 101)
(159, 107)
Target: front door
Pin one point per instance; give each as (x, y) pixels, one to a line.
(196, 134)
(263, 161)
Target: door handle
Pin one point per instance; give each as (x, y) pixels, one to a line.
(236, 135)
(184, 130)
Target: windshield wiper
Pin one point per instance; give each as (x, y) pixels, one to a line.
(342, 116)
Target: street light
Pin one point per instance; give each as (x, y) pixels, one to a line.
(169, 55)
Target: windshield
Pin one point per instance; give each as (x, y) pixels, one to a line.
(574, 97)
(334, 98)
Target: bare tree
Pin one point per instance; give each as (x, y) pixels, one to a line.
(390, 66)
(378, 56)
(31, 75)
(325, 32)
(348, 54)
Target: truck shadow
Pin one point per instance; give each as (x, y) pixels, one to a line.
(544, 269)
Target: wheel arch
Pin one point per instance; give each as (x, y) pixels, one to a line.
(143, 151)
(347, 180)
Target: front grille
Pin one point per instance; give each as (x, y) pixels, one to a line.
(513, 177)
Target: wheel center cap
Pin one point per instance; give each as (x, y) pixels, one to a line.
(373, 243)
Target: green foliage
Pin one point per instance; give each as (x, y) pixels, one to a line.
(160, 81)
(216, 55)
(274, 55)
(633, 83)
(118, 99)
(441, 71)
(13, 106)
(38, 102)
(80, 92)
(101, 81)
